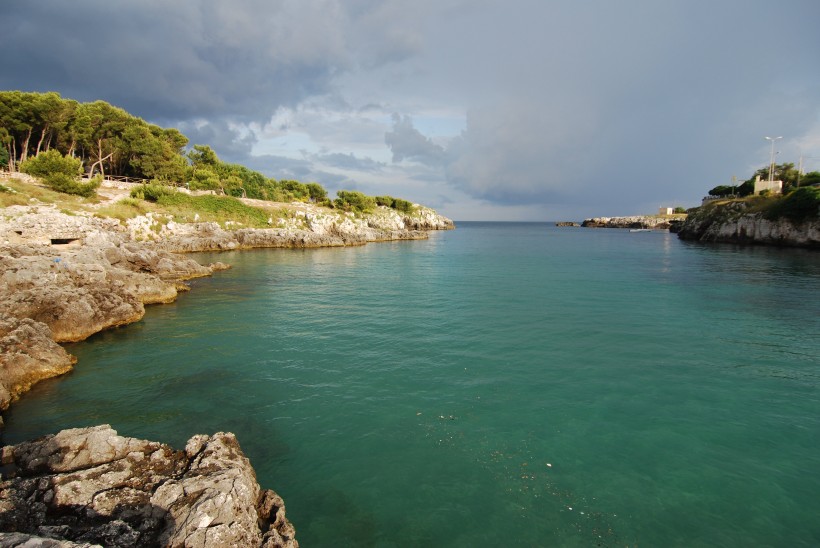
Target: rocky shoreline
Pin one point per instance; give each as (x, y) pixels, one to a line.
(728, 222)
(652, 222)
(732, 222)
(67, 275)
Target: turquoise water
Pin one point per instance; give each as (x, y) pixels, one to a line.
(496, 385)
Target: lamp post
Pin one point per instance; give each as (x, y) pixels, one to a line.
(771, 162)
(800, 168)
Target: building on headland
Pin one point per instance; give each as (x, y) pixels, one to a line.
(774, 187)
(666, 210)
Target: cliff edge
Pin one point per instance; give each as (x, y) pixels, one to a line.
(738, 222)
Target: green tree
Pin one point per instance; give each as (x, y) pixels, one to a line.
(809, 179)
(316, 192)
(204, 156)
(51, 114)
(16, 120)
(4, 152)
(100, 128)
(723, 190)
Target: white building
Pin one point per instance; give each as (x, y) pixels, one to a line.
(666, 211)
(775, 187)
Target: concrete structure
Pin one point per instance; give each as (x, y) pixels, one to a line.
(775, 187)
(666, 211)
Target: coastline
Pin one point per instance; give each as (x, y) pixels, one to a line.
(66, 275)
(733, 222)
(728, 222)
(650, 222)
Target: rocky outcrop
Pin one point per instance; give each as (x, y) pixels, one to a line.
(67, 292)
(732, 222)
(567, 224)
(634, 221)
(90, 486)
(306, 226)
(73, 275)
(80, 291)
(28, 354)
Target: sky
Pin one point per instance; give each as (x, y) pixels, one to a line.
(516, 110)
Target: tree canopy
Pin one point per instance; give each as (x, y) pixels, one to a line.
(107, 140)
(99, 138)
(785, 172)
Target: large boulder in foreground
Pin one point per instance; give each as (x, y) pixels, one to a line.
(90, 486)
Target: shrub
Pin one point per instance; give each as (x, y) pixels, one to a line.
(203, 179)
(294, 190)
(800, 205)
(52, 162)
(396, 203)
(151, 192)
(351, 200)
(403, 205)
(60, 173)
(386, 201)
(72, 185)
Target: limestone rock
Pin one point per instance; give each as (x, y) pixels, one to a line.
(27, 354)
(732, 223)
(90, 485)
(634, 221)
(20, 540)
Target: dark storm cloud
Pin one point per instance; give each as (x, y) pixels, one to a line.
(607, 107)
(598, 107)
(229, 141)
(173, 60)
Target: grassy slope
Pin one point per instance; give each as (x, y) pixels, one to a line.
(117, 204)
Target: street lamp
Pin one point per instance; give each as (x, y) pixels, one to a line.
(800, 168)
(771, 162)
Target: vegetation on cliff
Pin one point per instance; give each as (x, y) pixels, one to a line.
(57, 139)
(792, 178)
(798, 204)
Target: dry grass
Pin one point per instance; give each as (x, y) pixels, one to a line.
(115, 203)
(124, 209)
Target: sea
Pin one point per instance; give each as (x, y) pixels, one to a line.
(502, 384)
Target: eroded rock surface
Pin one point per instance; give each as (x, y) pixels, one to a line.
(67, 292)
(28, 354)
(80, 274)
(733, 223)
(634, 221)
(91, 486)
